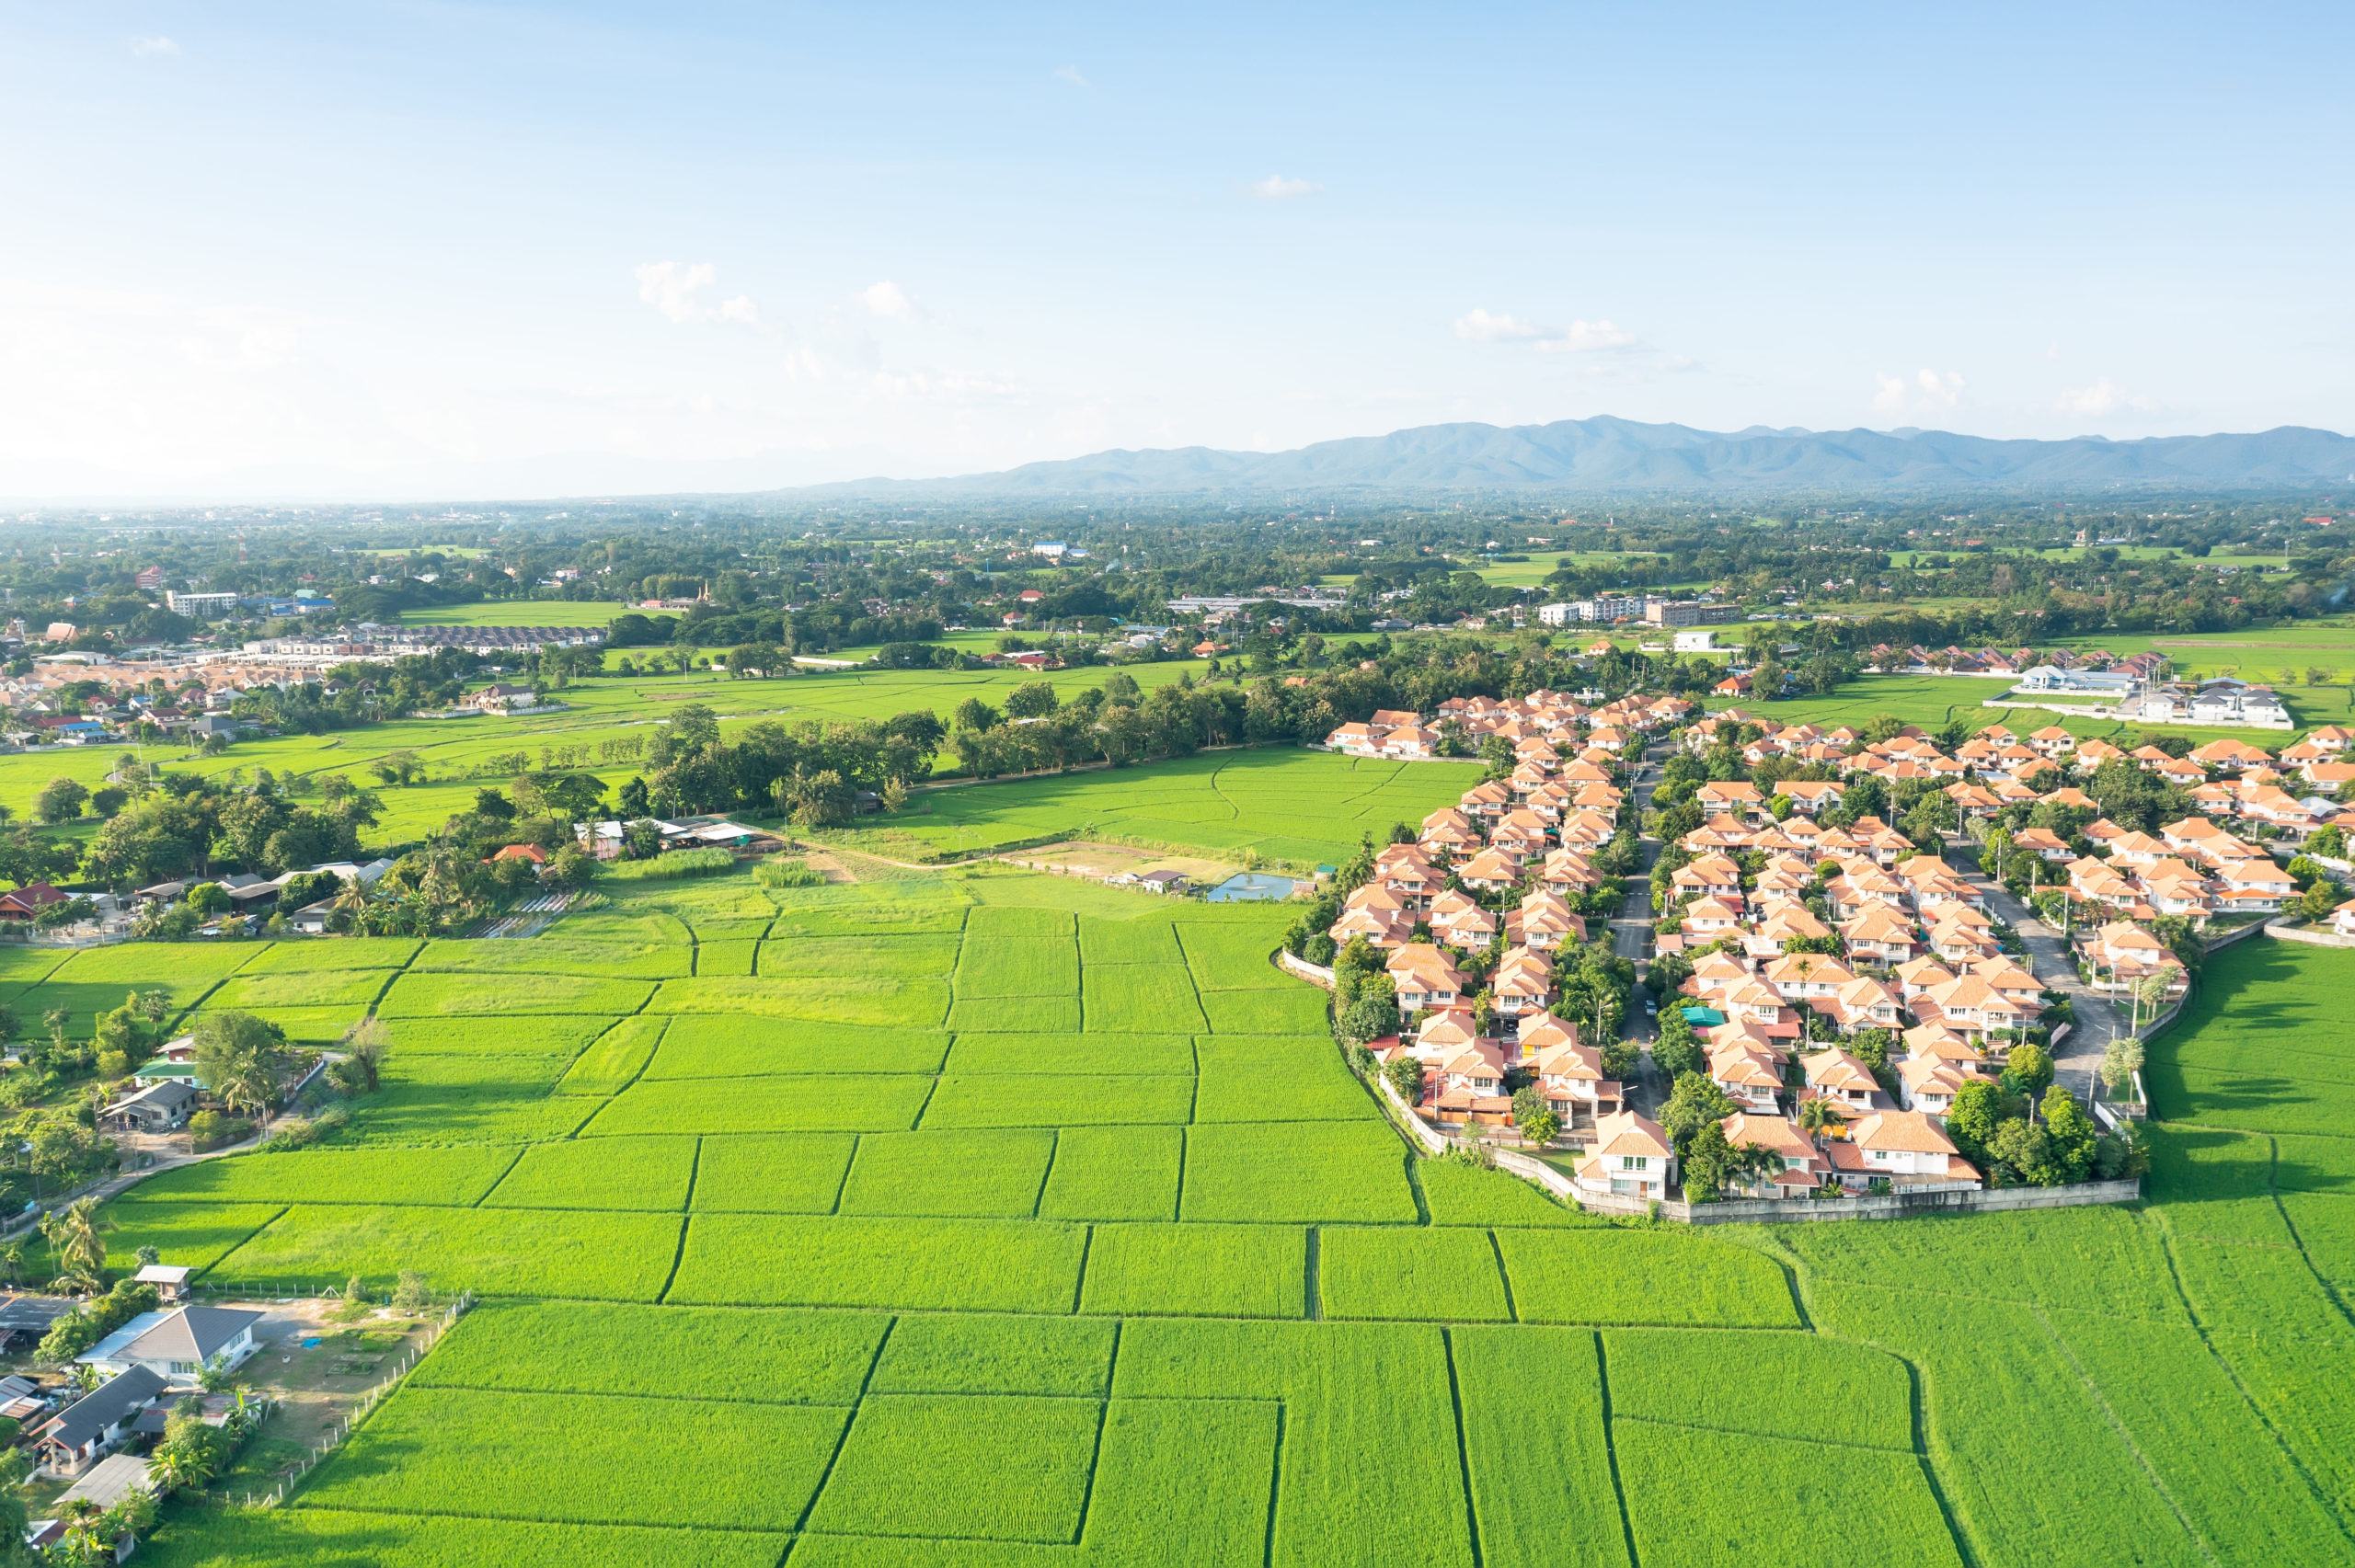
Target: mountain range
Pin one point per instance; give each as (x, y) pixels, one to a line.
(1606, 454)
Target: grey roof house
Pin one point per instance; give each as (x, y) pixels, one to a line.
(98, 1420)
(178, 1344)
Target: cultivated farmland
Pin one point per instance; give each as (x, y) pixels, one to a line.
(990, 1220)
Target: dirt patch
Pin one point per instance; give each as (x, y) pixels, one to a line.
(834, 869)
(1100, 861)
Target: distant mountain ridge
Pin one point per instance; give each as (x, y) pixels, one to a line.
(1607, 453)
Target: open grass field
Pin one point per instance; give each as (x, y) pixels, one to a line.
(1931, 700)
(988, 1219)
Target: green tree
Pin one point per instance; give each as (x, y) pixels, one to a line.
(2021, 1155)
(60, 800)
(240, 1058)
(1677, 1049)
(1694, 1103)
(1971, 1121)
(2121, 1060)
(1033, 699)
(2028, 1071)
(2070, 1136)
(1406, 1075)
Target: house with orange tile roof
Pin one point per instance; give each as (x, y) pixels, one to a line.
(1630, 1156)
(1425, 979)
(1905, 1147)
(1836, 1075)
(1803, 1166)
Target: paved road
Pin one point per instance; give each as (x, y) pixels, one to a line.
(2099, 1020)
(1631, 929)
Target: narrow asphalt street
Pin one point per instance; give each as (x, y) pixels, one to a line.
(1630, 930)
(2078, 1057)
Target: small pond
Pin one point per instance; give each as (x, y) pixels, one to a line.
(1249, 886)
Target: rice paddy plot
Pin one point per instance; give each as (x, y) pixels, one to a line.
(1020, 923)
(1540, 1488)
(516, 1251)
(526, 1035)
(1114, 1173)
(1146, 940)
(961, 1354)
(877, 999)
(722, 1353)
(873, 909)
(194, 1234)
(1262, 1078)
(456, 1099)
(2313, 1163)
(351, 989)
(2326, 1231)
(301, 1026)
(973, 1467)
(1372, 1462)
(733, 958)
(1300, 1010)
(613, 1061)
(554, 956)
(1616, 1276)
(1009, 1100)
(785, 1173)
(1235, 956)
(1332, 1173)
(714, 1046)
(1030, 1055)
(1222, 1271)
(981, 1175)
(1464, 1195)
(2192, 1423)
(1018, 966)
(416, 995)
(573, 1458)
(309, 1536)
(2001, 1399)
(2252, 1288)
(806, 1104)
(1800, 1386)
(980, 1265)
(1692, 1499)
(449, 1177)
(1014, 1014)
(1407, 1273)
(322, 955)
(1141, 999)
(2097, 1258)
(650, 1173)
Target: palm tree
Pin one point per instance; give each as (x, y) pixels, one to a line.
(1823, 1115)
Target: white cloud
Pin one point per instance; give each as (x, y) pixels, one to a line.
(1479, 326)
(1277, 187)
(675, 292)
(1927, 391)
(1587, 338)
(887, 299)
(1578, 338)
(1070, 73)
(153, 43)
(2104, 396)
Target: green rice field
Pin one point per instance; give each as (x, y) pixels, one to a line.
(996, 1220)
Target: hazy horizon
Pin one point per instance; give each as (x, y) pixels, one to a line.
(381, 252)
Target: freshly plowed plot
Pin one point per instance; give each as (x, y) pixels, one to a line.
(992, 1220)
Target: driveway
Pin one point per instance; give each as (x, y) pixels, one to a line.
(1631, 929)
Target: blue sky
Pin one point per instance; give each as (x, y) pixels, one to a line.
(363, 249)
